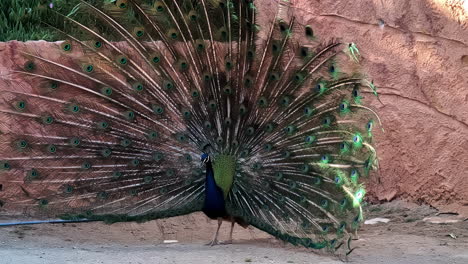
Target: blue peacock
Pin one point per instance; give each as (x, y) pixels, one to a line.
(160, 108)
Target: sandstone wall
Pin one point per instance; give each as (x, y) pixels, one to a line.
(417, 53)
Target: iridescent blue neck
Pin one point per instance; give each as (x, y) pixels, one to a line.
(214, 198)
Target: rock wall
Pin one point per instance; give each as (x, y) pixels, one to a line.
(417, 54)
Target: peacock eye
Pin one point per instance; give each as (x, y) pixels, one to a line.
(69, 189)
(148, 179)
(151, 135)
(355, 93)
(279, 176)
(359, 195)
(212, 105)
(318, 88)
(116, 174)
(21, 105)
(86, 165)
(125, 142)
(369, 125)
(356, 219)
(157, 109)
(274, 77)
(263, 102)
(324, 203)
(187, 157)
(228, 65)
(207, 125)
(187, 114)
(310, 139)
(326, 121)
(305, 168)
(53, 85)
(158, 156)
(269, 127)
(309, 32)
(343, 203)
(195, 94)
(256, 166)
(5, 165)
(268, 147)
(283, 27)
(250, 54)
(52, 148)
(181, 138)
(317, 180)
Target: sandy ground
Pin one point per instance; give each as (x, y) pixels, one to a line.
(405, 239)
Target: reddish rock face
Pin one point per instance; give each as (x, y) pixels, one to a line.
(417, 54)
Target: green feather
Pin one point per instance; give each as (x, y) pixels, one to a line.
(224, 168)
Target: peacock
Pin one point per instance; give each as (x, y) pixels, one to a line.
(151, 109)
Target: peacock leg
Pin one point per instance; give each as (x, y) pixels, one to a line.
(215, 238)
(230, 234)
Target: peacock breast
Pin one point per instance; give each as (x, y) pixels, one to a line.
(224, 168)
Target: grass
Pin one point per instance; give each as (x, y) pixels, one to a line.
(23, 20)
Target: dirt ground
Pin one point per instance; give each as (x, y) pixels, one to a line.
(405, 239)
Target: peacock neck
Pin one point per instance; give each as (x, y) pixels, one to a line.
(210, 182)
(214, 198)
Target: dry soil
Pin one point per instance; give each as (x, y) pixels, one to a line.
(405, 239)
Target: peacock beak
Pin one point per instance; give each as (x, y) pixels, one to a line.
(205, 160)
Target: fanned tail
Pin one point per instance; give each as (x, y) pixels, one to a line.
(114, 121)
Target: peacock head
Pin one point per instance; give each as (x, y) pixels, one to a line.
(205, 158)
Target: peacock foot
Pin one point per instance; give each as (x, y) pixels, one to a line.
(212, 243)
(227, 242)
